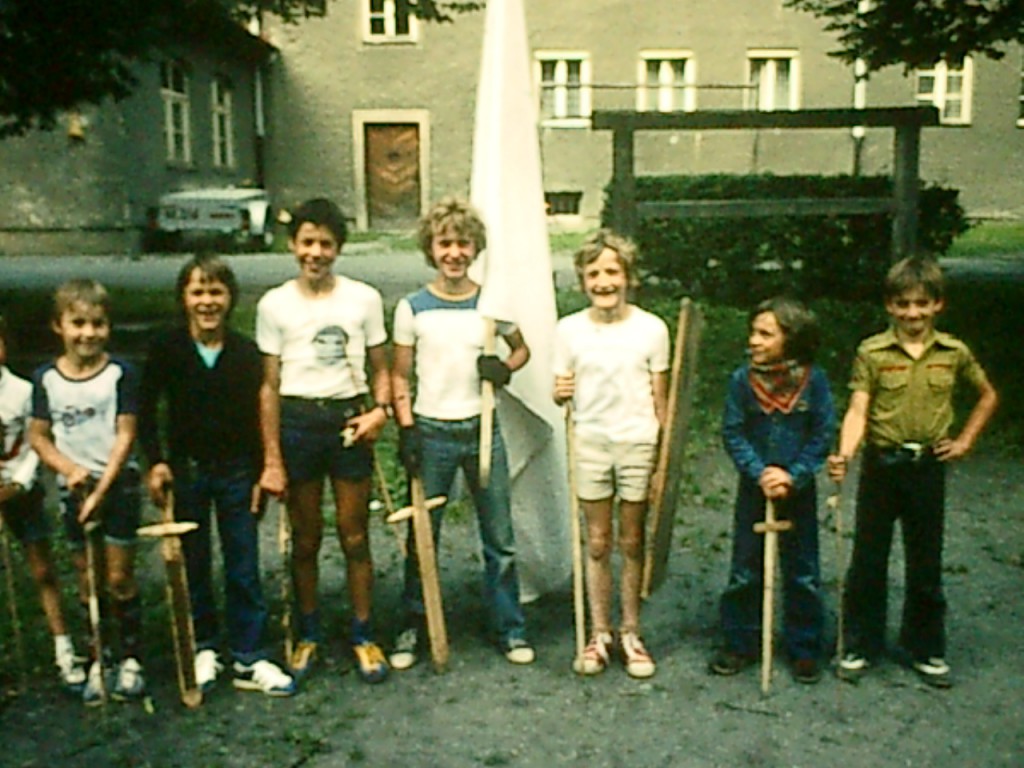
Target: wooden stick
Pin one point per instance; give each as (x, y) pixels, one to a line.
(770, 528)
(12, 602)
(426, 556)
(93, 559)
(389, 504)
(579, 611)
(835, 503)
(284, 546)
(182, 629)
(486, 409)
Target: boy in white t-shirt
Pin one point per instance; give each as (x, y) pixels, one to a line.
(439, 335)
(611, 361)
(317, 334)
(21, 504)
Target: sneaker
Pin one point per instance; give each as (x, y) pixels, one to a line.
(727, 663)
(403, 655)
(518, 650)
(638, 661)
(95, 690)
(264, 676)
(806, 671)
(934, 671)
(370, 661)
(303, 656)
(852, 667)
(207, 666)
(596, 655)
(71, 671)
(130, 683)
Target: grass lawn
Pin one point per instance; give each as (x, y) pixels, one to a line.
(990, 238)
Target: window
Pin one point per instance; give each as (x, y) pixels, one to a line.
(666, 82)
(177, 112)
(564, 81)
(948, 87)
(221, 100)
(773, 78)
(563, 203)
(388, 21)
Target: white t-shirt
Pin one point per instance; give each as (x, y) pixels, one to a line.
(613, 364)
(321, 341)
(448, 337)
(83, 412)
(18, 462)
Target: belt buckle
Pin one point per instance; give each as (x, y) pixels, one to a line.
(915, 449)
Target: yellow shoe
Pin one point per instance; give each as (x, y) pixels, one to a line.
(302, 658)
(370, 661)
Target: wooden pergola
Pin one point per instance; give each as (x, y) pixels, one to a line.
(902, 205)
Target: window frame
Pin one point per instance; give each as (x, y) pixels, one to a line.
(176, 103)
(389, 15)
(562, 88)
(940, 73)
(666, 98)
(222, 118)
(752, 99)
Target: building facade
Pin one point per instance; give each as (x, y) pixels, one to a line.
(376, 109)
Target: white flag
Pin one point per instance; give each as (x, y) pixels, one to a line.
(518, 285)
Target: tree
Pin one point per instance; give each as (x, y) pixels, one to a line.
(55, 56)
(918, 33)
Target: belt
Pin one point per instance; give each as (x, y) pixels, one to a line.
(905, 453)
(324, 402)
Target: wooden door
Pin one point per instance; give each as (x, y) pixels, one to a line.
(392, 175)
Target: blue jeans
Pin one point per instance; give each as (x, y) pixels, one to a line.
(227, 487)
(448, 445)
(798, 552)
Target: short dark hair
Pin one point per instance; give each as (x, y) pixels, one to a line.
(83, 290)
(915, 272)
(798, 323)
(320, 212)
(212, 267)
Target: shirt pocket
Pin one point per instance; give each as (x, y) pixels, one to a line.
(940, 378)
(894, 379)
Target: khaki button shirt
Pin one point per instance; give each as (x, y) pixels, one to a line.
(911, 400)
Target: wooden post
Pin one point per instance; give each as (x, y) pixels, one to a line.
(486, 410)
(579, 610)
(623, 214)
(770, 528)
(94, 580)
(906, 149)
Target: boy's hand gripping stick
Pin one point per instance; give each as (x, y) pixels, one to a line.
(771, 529)
(178, 600)
(423, 534)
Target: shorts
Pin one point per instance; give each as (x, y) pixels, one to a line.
(311, 440)
(605, 468)
(119, 513)
(25, 517)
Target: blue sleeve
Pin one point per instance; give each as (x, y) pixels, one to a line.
(128, 390)
(734, 429)
(40, 401)
(819, 441)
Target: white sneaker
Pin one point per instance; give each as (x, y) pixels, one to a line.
(264, 676)
(130, 683)
(95, 690)
(71, 671)
(207, 666)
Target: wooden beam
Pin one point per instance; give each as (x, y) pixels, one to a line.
(879, 117)
(757, 208)
(905, 183)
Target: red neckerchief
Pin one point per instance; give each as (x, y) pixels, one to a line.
(778, 386)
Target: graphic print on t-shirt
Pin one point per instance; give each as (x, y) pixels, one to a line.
(329, 345)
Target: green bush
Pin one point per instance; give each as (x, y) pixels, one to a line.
(738, 260)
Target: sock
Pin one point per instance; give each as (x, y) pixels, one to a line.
(129, 620)
(309, 626)
(362, 631)
(62, 646)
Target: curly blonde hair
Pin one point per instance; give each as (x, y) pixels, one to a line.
(453, 213)
(594, 246)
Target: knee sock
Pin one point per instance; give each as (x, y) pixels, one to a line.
(309, 626)
(129, 620)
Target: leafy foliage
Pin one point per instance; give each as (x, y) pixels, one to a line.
(918, 33)
(736, 260)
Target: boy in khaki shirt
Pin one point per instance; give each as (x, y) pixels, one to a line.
(902, 387)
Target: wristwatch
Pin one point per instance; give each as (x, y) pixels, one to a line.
(388, 410)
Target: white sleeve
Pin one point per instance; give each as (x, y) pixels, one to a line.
(268, 335)
(376, 334)
(404, 330)
(660, 355)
